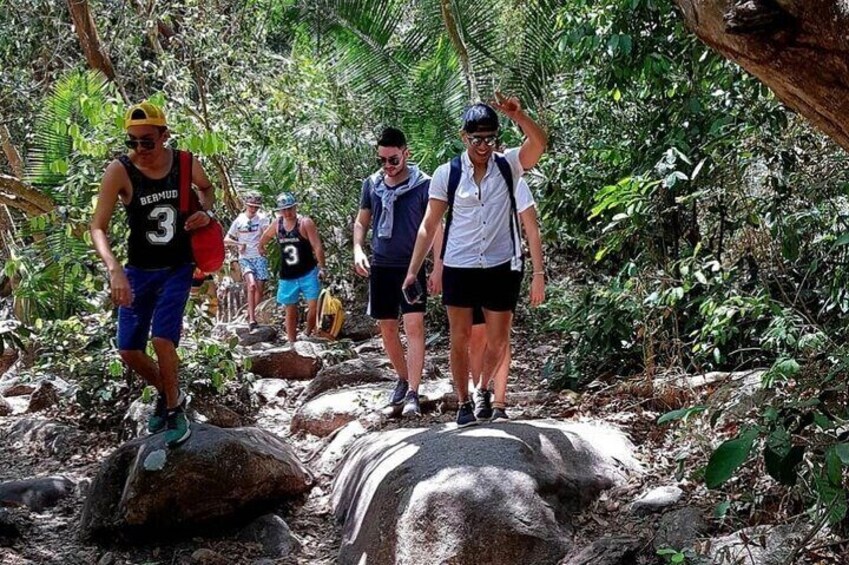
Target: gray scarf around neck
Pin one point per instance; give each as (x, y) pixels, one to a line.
(388, 196)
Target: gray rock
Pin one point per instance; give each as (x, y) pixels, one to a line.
(337, 448)
(108, 558)
(761, 545)
(5, 408)
(656, 500)
(35, 494)
(146, 488)
(607, 551)
(358, 327)
(261, 334)
(43, 436)
(680, 529)
(443, 495)
(347, 373)
(299, 362)
(328, 412)
(266, 390)
(272, 532)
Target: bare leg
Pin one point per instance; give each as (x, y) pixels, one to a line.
(144, 365)
(393, 347)
(166, 354)
(292, 322)
(414, 330)
(312, 313)
(477, 346)
(460, 329)
(251, 283)
(496, 361)
(258, 292)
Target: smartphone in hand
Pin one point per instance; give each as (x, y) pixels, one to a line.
(414, 293)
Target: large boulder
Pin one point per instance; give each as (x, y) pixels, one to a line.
(494, 494)
(35, 494)
(299, 362)
(144, 487)
(351, 372)
(328, 412)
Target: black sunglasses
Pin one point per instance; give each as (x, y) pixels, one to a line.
(147, 144)
(393, 161)
(490, 140)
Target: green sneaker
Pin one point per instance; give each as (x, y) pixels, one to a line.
(179, 428)
(156, 422)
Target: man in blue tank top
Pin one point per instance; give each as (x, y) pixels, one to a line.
(152, 289)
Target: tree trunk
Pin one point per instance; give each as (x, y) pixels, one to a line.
(796, 47)
(456, 37)
(17, 194)
(95, 54)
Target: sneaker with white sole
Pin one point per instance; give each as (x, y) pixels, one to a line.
(412, 409)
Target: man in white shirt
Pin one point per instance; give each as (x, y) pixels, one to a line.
(244, 234)
(482, 253)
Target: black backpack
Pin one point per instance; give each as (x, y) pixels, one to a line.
(454, 181)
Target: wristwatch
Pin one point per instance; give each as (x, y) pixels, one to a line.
(210, 213)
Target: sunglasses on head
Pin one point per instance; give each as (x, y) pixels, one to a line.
(143, 143)
(393, 161)
(490, 140)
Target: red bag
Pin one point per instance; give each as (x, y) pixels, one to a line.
(208, 241)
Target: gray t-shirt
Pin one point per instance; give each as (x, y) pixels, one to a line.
(396, 251)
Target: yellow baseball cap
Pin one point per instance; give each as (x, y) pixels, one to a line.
(144, 114)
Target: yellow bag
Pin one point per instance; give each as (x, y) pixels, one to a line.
(330, 315)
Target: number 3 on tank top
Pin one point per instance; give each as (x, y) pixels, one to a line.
(291, 255)
(166, 219)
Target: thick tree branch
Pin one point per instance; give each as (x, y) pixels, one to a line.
(796, 47)
(456, 37)
(28, 199)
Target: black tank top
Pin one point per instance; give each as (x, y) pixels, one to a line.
(296, 255)
(158, 238)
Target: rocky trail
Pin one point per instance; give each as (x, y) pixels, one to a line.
(302, 463)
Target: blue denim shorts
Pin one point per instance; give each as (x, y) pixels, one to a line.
(159, 299)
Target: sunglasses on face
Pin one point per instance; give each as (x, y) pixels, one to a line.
(393, 161)
(490, 140)
(147, 144)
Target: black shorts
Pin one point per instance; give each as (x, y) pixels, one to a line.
(385, 300)
(495, 288)
(477, 316)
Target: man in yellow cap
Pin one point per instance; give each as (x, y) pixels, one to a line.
(152, 289)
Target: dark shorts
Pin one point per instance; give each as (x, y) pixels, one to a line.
(495, 288)
(159, 299)
(385, 300)
(477, 316)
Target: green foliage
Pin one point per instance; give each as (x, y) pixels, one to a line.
(728, 457)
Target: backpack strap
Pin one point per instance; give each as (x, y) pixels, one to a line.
(454, 175)
(185, 180)
(507, 173)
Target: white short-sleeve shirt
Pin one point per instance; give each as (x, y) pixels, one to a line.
(248, 231)
(479, 235)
